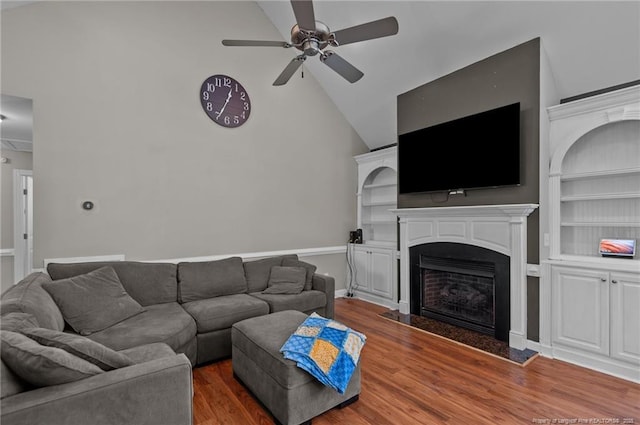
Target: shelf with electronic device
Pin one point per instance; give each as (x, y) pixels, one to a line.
(373, 271)
(590, 289)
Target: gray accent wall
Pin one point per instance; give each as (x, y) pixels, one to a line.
(504, 78)
(118, 121)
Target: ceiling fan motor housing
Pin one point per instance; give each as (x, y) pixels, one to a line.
(311, 42)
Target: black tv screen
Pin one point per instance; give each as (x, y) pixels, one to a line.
(477, 151)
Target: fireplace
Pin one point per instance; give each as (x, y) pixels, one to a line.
(464, 285)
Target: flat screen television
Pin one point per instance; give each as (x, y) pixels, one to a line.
(476, 151)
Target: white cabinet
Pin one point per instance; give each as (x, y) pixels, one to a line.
(597, 311)
(373, 271)
(594, 193)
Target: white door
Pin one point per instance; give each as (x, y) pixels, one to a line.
(361, 267)
(625, 317)
(23, 224)
(580, 309)
(381, 271)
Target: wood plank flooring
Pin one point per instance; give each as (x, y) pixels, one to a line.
(410, 377)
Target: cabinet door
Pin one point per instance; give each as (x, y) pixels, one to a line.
(580, 307)
(381, 272)
(625, 317)
(361, 267)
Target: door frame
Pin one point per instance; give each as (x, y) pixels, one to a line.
(22, 224)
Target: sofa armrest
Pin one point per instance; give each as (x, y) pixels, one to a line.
(326, 284)
(155, 392)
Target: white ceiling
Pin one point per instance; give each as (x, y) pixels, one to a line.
(590, 46)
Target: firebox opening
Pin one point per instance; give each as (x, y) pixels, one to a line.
(464, 285)
(459, 291)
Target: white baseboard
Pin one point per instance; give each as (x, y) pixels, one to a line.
(341, 293)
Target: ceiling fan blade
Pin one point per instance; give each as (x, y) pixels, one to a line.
(290, 69)
(259, 43)
(303, 9)
(341, 66)
(374, 29)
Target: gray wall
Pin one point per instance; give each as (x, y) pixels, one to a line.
(117, 120)
(507, 77)
(16, 161)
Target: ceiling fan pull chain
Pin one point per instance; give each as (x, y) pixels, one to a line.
(302, 70)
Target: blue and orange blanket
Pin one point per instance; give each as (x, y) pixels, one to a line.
(327, 349)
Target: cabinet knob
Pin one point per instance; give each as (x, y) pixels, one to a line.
(614, 281)
(602, 279)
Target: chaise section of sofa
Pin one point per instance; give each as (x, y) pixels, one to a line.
(157, 391)
(121, 396)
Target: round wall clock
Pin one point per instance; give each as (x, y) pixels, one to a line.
(225, 101)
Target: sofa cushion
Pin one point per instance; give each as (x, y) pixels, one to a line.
(10, 383)
(286, 280)
(305, 301)
(80, 346)
(311, 269)
(28, 296)
(40, 365)
(16, 322)
(94, 301)
(148, 352)
(167, 323)
(208, 279)
(147, 283)
(221, 312)
(257, 271)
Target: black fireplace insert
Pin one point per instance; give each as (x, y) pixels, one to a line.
(461, 284)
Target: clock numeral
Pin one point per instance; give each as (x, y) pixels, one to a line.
(211, 87)
(218, 82)
(227, 82)
(209, 106)
(244, 115)
(227, 119)
(205, 95)
(236, 119)
(246, 106)
(243, 96)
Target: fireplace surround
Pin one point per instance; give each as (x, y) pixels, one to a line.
(499, 228)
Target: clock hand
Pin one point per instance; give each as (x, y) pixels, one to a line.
(225, 105)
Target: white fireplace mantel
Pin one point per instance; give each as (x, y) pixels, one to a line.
(501, 228)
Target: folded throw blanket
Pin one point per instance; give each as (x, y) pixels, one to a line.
(327, 349)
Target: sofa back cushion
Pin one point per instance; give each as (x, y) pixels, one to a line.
(147, 283)
(209, 279)
(94, 301)
(257, 272)
(28, 296)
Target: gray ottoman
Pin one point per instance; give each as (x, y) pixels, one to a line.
(291, 395)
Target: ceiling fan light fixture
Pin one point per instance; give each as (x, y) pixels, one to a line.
(2, 117)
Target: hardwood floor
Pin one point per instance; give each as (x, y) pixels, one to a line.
(410, 377)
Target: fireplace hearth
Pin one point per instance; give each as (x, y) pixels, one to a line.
(464, 285)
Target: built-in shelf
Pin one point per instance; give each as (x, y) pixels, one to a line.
(390, 204)
(372, 274)
(600, 196)
(596, 174)
(379, 185)
(598, 224)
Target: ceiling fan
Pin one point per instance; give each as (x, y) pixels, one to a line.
(311, 37)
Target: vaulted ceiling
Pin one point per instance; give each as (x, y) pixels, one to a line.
(590, 46)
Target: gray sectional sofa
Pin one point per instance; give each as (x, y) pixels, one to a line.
(179, 316)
